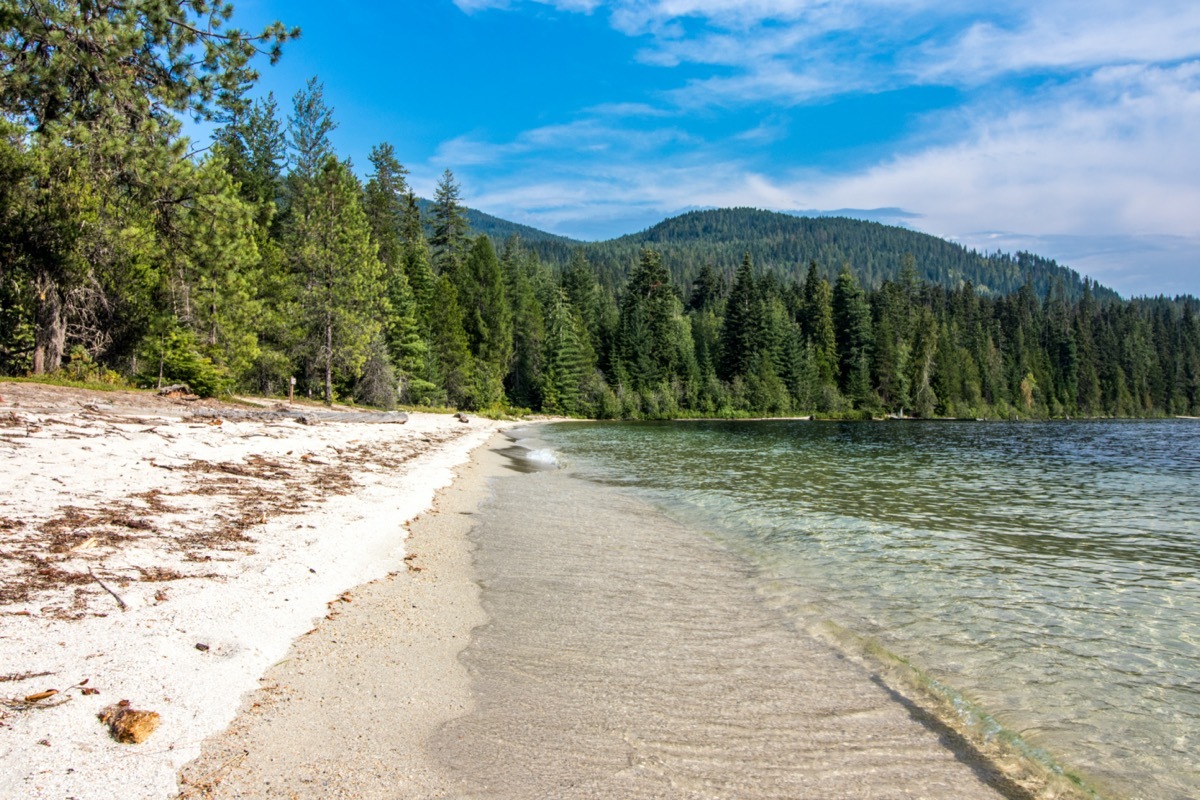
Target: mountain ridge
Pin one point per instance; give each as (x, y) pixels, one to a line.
(783, 243)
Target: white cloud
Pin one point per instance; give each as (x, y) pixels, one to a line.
(580, 6)
(1114, 151)
(1104, 148)
(1066, 35)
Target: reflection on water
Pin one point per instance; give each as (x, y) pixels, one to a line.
(1048, 571)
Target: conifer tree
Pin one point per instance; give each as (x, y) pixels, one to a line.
(255, 151)
(90, 97)
(819, 328)
(852, 323)
(454, 365)
(449, 239)
(383, 201)
(523, 383)
(332, 252)
(309, 127)
(648, 337)
(487, 320)
(417, 260)
(566, 362)
(742, 331)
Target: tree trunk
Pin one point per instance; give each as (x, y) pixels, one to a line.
(50, 338)
(329, 363)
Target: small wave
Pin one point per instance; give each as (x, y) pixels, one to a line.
(547, 457)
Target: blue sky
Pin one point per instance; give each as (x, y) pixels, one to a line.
(1070, 128)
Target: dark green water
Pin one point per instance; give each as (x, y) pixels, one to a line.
(1048, 572)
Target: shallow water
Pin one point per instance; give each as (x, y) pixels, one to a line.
(1047, 571)
(626, 656)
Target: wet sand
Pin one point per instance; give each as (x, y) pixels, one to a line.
(571, 641)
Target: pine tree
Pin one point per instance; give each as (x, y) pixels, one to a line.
(566, 362)
(742, 331)
(455, 371)
(383, 201)
(647, 343)
(852, 325)
(819, 329)
(417, 260)
(523, 383)
(91, 98)
(332, 252)
(255, 151)
(487, 320)
(449, 239)
(309, 127)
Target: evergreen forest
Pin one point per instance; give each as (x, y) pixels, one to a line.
(131, 255)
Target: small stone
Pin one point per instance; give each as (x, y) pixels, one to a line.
(202, 647)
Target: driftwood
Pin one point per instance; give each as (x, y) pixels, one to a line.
(305, 417)
(116, 596)
(175, 388)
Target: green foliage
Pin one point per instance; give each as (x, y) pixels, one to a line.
(449, 239)
(267, 260)
(177, 359)
(332, 255)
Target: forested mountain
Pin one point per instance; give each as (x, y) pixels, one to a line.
(785, 244)
(499, 230)
(266, 259)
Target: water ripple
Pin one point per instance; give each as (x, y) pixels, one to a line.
(1049, 570)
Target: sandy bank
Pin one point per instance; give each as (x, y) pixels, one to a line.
(150, 556)
(350, 711)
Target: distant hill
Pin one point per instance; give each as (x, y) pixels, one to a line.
(501, 229)
(785, 244)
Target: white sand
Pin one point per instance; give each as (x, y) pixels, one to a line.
(296, 516)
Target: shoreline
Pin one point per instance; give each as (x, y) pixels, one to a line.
(349, 708)
(155, 557)
(349, 711)
(391, 695)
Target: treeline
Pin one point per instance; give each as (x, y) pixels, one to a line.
(785, 244)
(265, 258)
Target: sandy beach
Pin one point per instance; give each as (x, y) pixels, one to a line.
(167, 552)
(345, 607)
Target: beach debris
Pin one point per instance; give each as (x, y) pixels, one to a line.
(129, 725)
(86, 544)
(202, 647)
(174, 389)
(117, 597)
(461, 417)
(22, 676)
(44, 742)
(39, 700)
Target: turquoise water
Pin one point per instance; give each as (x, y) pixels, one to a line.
(1047, 571)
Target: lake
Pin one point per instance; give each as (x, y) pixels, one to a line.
(1043, 575)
